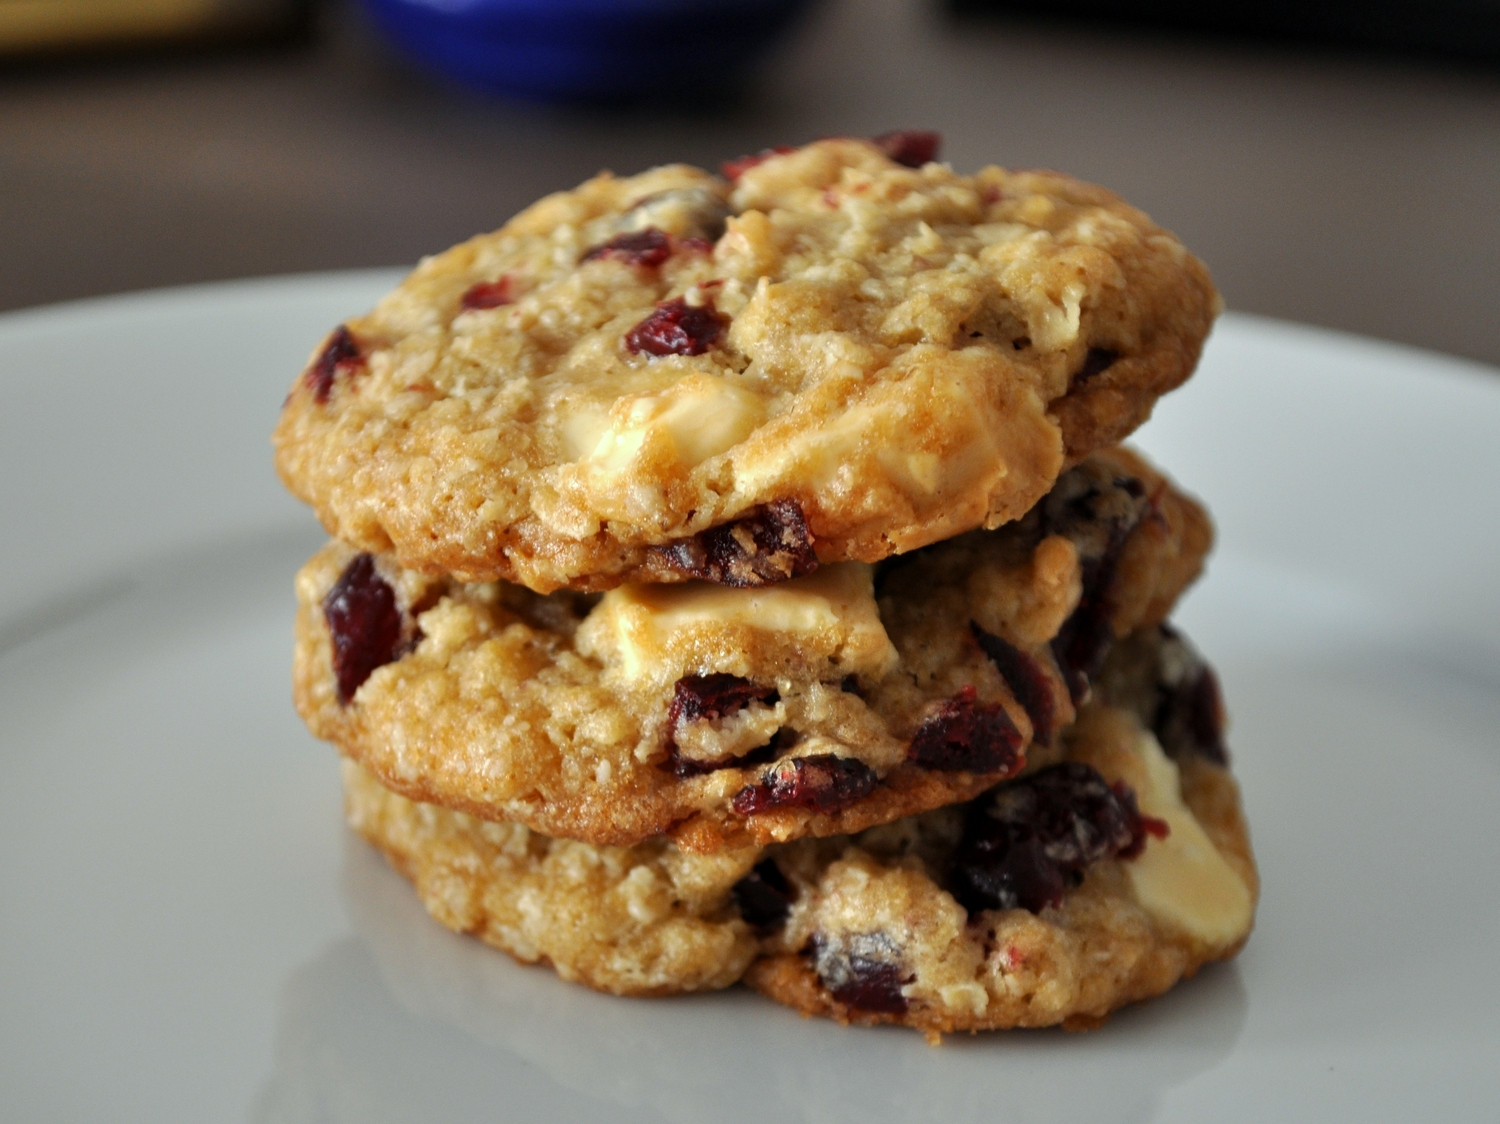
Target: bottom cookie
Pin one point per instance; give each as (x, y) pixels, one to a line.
(1103, 875)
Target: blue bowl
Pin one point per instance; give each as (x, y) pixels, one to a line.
(587, 50)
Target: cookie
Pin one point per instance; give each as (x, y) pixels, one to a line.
(725, 717)
(954, 921)
(830, 357)
(1098, 878)
(643, 920)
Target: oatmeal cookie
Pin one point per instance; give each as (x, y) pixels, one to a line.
(1059, 897)
(1098, 878)
(832, 356)
(724, 717)
(643, 920)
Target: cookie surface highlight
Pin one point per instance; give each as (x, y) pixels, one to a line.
(725, 717)
(835, 357)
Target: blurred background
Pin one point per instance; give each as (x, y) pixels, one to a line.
(1341, 169)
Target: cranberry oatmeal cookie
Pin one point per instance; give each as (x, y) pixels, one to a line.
(724, 717)
(1115, 867)
(829, 356)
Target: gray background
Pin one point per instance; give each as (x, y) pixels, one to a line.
(1358, 192)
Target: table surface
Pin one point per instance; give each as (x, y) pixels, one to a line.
(1355, 192)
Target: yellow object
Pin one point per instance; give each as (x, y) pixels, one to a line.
(1182, 880)
(43, 25)
(827, 615)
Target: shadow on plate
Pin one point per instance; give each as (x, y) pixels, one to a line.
(407, 1019)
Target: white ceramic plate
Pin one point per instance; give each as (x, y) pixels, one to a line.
(187, 933)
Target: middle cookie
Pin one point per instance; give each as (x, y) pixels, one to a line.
(725, 717)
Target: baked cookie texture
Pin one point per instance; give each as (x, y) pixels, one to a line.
(738, 578)
(730, 717)
(885, 941)
(886, 925)
(832, 357)
(643, 920)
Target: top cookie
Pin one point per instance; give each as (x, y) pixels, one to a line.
(833, 356)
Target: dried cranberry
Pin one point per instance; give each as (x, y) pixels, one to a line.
(1189, 716)
(1027, 680)
(340, 355)
(1097, 510)
(648, 248)
(1190, 719)
(732, 170)
(1032, 839)
(910, 147)
(823, 782)
(771, 544)
(1096, 362)
(677, 328)
(961, 735)
(764, 897)
(708, 697)
(1082, 643)
(862, 971)
(713, 696)
(366, 625)
(487, 294)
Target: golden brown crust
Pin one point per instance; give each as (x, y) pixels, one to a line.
(516, 706)
(908, 354)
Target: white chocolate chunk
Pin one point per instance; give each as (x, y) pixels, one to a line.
(701, 416)
(885, 436)
(828, 617)
(1055, 326)
(1182, 880)
(582, 425)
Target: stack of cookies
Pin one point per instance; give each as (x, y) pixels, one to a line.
(738, 577)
